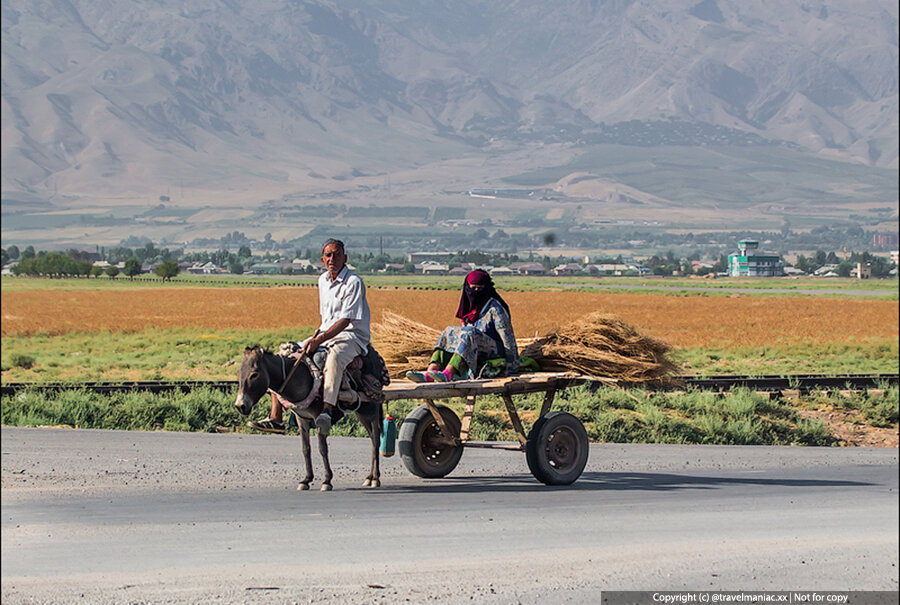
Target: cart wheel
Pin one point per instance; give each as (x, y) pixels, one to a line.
(557, 449)
(420, 445)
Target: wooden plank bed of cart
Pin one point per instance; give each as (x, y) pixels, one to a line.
(432, 436)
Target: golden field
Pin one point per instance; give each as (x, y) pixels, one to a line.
(683, 321)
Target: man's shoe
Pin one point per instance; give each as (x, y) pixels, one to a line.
(323, 423)
(267, 426)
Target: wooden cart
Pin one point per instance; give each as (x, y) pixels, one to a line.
(432, 436)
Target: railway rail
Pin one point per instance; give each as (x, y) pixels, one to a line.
(798, 382)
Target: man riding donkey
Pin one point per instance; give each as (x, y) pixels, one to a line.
(344, 333)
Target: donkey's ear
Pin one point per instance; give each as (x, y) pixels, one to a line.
(247, 351)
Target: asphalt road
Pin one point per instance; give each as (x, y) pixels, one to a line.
(127, 517)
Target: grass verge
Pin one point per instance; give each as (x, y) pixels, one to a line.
(740, 417)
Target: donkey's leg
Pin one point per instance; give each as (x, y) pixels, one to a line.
(323, 450)
(373, 427)
(307, 455)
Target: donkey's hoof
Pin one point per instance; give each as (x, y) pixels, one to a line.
(326, 487)
(302, 487)
(367, 483)
(374, 483)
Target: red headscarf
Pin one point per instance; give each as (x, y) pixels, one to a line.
(472, 301)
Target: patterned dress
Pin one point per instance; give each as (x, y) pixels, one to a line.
(491, 336)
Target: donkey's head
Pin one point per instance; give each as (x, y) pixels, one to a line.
(253, 380)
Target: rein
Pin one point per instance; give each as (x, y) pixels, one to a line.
(287, 377)
(317, 380)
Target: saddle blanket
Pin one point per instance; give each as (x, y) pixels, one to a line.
(366, 373)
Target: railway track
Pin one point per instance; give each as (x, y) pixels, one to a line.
(798, 382)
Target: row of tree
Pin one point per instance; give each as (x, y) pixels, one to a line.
(78, 262)
(880, 266)
(57, 264)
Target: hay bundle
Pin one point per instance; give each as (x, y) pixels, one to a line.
(602, 345)
(598, 344)
(403, 343)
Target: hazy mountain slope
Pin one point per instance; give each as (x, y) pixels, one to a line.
(820, 77)
(104, 98)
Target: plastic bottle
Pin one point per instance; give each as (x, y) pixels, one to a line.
(388, 437)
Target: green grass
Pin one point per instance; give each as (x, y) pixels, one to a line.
(198, 410)
(194, 354)
(800, 358)
(769, 286)
(741, 417)
(879, 412)
(12, 283)
(146, 355)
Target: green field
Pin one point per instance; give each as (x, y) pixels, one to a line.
(618, 415)
(886, 288)
(195, 354)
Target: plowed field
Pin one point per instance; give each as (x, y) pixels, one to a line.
(684, 321)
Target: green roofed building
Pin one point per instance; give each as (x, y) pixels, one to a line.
(749, 262)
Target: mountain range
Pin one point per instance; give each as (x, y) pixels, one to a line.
(109, 102)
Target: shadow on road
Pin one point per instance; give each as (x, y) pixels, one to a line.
(594, 481)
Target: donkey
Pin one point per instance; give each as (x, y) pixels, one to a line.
(297, 381)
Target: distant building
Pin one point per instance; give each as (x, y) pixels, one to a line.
(528, 268)
(824, 270)
(207, 268)
(430, 268)
(885, 240)
(265, 269)
(418, 257)
(392, 268)
(567, 269)
(750, 262)
(612, 269)
(862, 271)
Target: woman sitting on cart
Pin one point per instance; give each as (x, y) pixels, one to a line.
(483, 346)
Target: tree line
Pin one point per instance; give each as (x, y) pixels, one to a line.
(57, 264)
(80, 263)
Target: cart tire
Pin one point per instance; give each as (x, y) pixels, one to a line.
(420, 453)
(557, 449)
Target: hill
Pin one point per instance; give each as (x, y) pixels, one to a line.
(108, 107)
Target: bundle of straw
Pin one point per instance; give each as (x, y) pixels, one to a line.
(602, 345)
(598, 344)
(403, 343)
